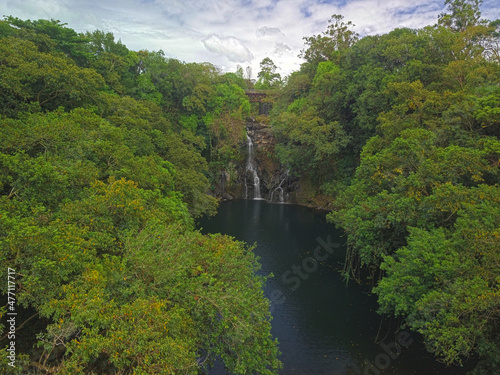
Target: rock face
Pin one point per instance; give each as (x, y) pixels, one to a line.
(261, 134)
(275, 183)
(238, 179)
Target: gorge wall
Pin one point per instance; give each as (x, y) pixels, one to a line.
(237, 181)
(276, 183)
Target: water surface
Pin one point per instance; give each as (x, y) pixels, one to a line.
(323, 325)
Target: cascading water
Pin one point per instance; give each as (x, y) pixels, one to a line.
(250, 168)
(279, 189)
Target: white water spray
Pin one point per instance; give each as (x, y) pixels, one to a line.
(279, 189)
(251, 168)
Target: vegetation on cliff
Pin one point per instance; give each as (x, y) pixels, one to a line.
(402, 131)
(105, 156)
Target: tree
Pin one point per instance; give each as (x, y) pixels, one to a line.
(112, 60)
(32, 79)
(128, 287)
(400, 130)
(337, 38)
(447, 284)
(461, 14)
(53, 36)
(268, 77)
(98, 195)
(472, 34)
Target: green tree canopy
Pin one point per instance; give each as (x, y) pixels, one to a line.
(268, 78)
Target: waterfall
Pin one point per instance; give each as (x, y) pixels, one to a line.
(281, 198)
(250, 167)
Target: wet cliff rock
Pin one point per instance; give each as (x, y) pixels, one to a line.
(257, 174)
(275, 183)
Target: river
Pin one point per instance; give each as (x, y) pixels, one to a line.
(323, 325)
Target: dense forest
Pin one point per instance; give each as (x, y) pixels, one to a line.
(105, 156)
(402, 132)
(108, 156)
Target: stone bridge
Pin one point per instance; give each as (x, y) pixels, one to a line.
(258, 96)
(255, 95)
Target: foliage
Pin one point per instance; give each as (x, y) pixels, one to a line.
(107, 155)
(461, 14)
(268, 78)
(447, 283)
(337, 38)
(102, 175)
(402, 130)
(31, 80)
(52, 37)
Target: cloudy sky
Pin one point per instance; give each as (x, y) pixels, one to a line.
(228, 33)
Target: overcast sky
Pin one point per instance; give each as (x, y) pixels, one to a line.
(228, 33)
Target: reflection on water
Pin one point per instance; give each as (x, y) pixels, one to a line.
(322, 325)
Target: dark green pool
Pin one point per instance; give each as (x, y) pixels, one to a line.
(323, 326)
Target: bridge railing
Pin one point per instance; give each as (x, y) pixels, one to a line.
(255, 95)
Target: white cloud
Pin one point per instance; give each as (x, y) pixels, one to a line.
(281, 49)
(268, 31)
(377, 17)
(230, 32)
(230, 47)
